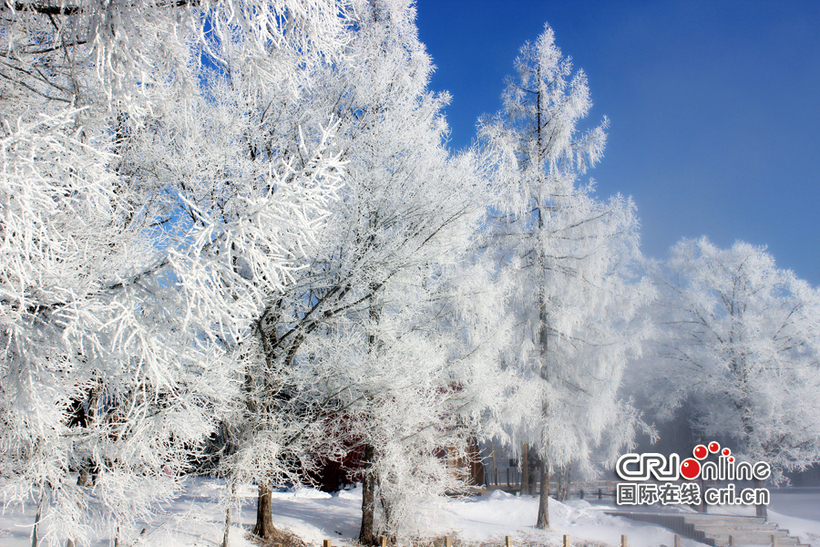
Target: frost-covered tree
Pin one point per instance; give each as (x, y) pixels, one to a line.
(141, 237)
(353, 332)
(567, 261)
(738, 339)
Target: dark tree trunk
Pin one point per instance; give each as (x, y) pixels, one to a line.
(525, 471)
(264, 512)
(367, 534)
(543, 521)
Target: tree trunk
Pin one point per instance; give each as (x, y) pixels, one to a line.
(225, 536)
(264, 512)
(543, 521)
(367, 534)
(563, 476)
(760, 510)
(45, 491)
(702, 507)
(525, 471)
(231, 494)
(387, 519)
(495, 466)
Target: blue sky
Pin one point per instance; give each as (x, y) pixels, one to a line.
(714, 106)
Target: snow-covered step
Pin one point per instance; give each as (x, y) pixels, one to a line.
(769, 528)
(751, 538)
(716, 529)
(739, 528)
(726, 530)
(734, 526)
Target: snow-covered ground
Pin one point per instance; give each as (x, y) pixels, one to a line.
(196, 519)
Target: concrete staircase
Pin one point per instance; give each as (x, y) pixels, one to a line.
(719, 530)
(727, 530)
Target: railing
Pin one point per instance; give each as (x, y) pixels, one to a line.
(624, 542)
(510, 480)
(508, 542)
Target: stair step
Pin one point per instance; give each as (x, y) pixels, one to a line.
(744, 530)
(760, 539)
(744, 533)
(739, 527)
(716, 529)
(698, 519)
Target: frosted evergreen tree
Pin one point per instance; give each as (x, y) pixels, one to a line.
(567, 259)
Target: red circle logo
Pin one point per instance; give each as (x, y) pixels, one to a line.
(690, 469)
(700, 452)
(714, 447)
(726, 451)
